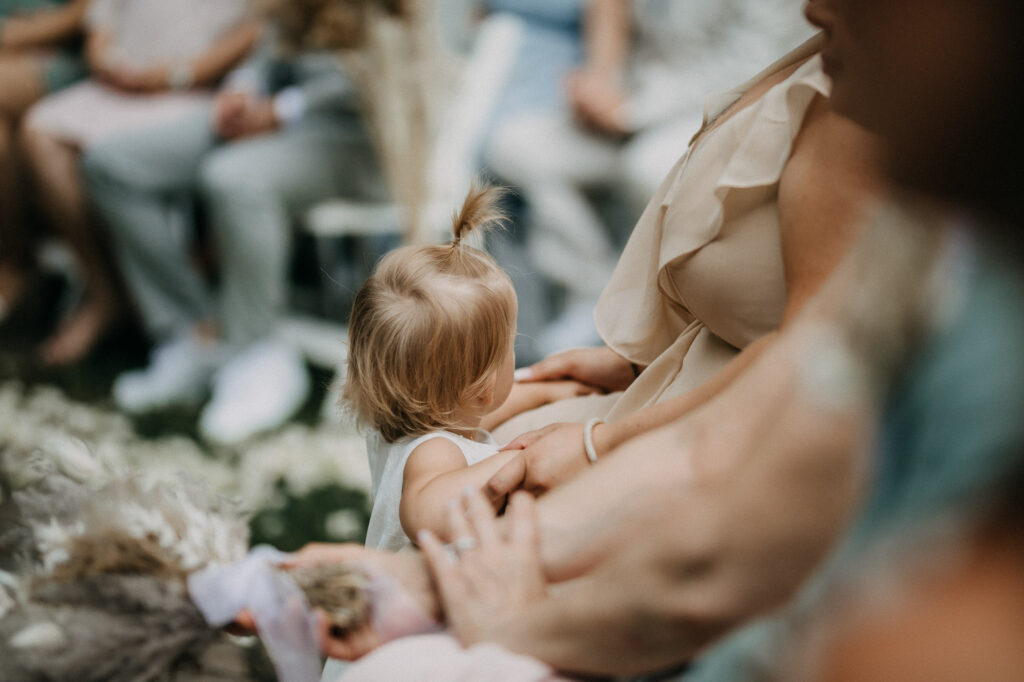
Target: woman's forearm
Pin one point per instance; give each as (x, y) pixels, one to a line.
(638, 530)
(607, 37)
(659, 475)
(609, 436)
(228, 51)
(694, 527)
(43, 27)
(603, 625)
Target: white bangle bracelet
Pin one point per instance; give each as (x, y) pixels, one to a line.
(588, 438)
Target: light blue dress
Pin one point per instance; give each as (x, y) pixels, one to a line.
(552, 45)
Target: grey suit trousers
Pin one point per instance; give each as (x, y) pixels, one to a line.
(143, 185)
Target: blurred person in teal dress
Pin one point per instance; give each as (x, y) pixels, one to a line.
(942, 83)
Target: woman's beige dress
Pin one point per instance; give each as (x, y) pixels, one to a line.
(702, 275)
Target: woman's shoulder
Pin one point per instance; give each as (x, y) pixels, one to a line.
(832, 159)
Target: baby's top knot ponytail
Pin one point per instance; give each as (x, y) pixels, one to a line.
(429, 327)
(480, 210)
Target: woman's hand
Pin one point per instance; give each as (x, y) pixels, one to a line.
(404, 598)
(550, 457)
(598, 100)
(247, 116)
(601, 368)
(492, 577)
(238, 115)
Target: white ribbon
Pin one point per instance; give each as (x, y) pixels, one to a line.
(284, 620)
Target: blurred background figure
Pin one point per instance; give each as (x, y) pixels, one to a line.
(283, 134)
(941, 83)
(39, 53)
(150, 60)
(605, 95)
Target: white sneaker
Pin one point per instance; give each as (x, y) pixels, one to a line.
(256, 391)
(572, 329)
(179, 372)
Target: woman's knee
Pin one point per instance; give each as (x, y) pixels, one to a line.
(107, 163)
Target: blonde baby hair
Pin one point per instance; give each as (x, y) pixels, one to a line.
(429, 327)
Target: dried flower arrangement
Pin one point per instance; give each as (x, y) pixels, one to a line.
(391, 50)
(326, 24)
(98, 569)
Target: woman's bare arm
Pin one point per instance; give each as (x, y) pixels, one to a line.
(598, 91)
(690, 529)
(42, 27)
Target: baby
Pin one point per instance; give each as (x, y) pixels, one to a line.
(430, 370)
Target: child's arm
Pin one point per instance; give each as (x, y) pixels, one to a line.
(436, 472)
(528, 395)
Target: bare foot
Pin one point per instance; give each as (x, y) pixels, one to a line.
(78, 334)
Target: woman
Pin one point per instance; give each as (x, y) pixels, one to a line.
(151, 60)
(38, 55)
(672, 542)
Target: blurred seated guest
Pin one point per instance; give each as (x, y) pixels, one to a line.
(38, 55)
(941, 83)
(548, 47)
(625, 116)
(151, 60)
(283, 134)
